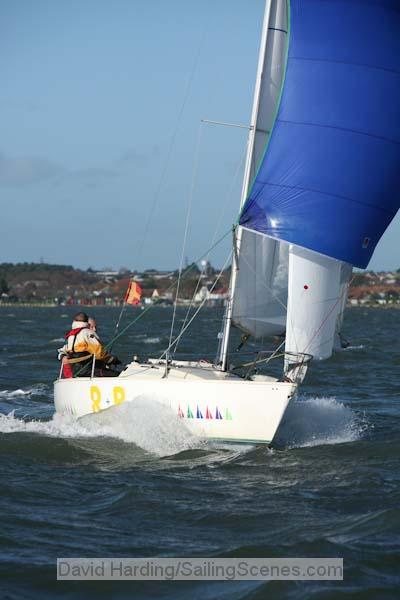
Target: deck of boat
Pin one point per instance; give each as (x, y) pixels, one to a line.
(178, 370)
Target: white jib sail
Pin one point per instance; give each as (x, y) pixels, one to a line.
(315, 300)
(345, 276)
(259, 306)
(261, 286)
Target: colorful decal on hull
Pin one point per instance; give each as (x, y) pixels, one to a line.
(199, 414)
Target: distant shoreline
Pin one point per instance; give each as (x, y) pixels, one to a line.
(94, 306)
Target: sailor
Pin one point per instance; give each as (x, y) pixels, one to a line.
(82, 344)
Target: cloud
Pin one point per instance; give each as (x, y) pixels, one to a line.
(97, 172)
(90, 177)
(27, 170)
(92, 174)
(133, 157)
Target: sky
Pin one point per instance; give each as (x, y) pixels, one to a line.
(102, 149)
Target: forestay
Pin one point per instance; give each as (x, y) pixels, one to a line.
(262, 285)
(259, 306)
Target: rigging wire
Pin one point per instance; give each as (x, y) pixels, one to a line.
(146, 310)
(170, 147)
(324, 320)
(165, 353)
(187, 222)
(267, 287)
(228, 197)
(339, 299)
(163, 174)
(124, 305)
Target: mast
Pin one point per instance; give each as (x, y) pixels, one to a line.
(245, 187)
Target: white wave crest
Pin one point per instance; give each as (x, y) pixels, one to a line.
(350, 348)
(145, 339)
(58, 426)
(145, 423)
(35, 390)
(152, 340)
(319, 421)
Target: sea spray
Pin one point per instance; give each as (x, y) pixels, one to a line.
(62, 426)
(318, 421)
(145, 423)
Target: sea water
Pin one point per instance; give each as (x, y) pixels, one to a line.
(135, 482)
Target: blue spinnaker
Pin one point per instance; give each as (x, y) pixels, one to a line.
(330, 177)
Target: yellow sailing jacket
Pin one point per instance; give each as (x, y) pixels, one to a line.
(82, 339)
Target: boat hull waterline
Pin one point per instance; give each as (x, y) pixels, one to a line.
(212, 404)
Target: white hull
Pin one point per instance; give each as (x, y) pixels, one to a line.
(213, 404)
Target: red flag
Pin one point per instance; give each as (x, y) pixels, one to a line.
(133, 293)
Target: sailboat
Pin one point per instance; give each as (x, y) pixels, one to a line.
(320, 187)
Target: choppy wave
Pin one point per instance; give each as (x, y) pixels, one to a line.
(152, 340)
(35, 390)
(148, 340)
(312, 499)
(319, 421)
(154, 428)
(358, 347)
(145, 423)
(59, 339)
(58, 426)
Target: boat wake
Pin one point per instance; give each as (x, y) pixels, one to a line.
(59, 426)
(145, 423)
(319, 421)
(153, 427)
